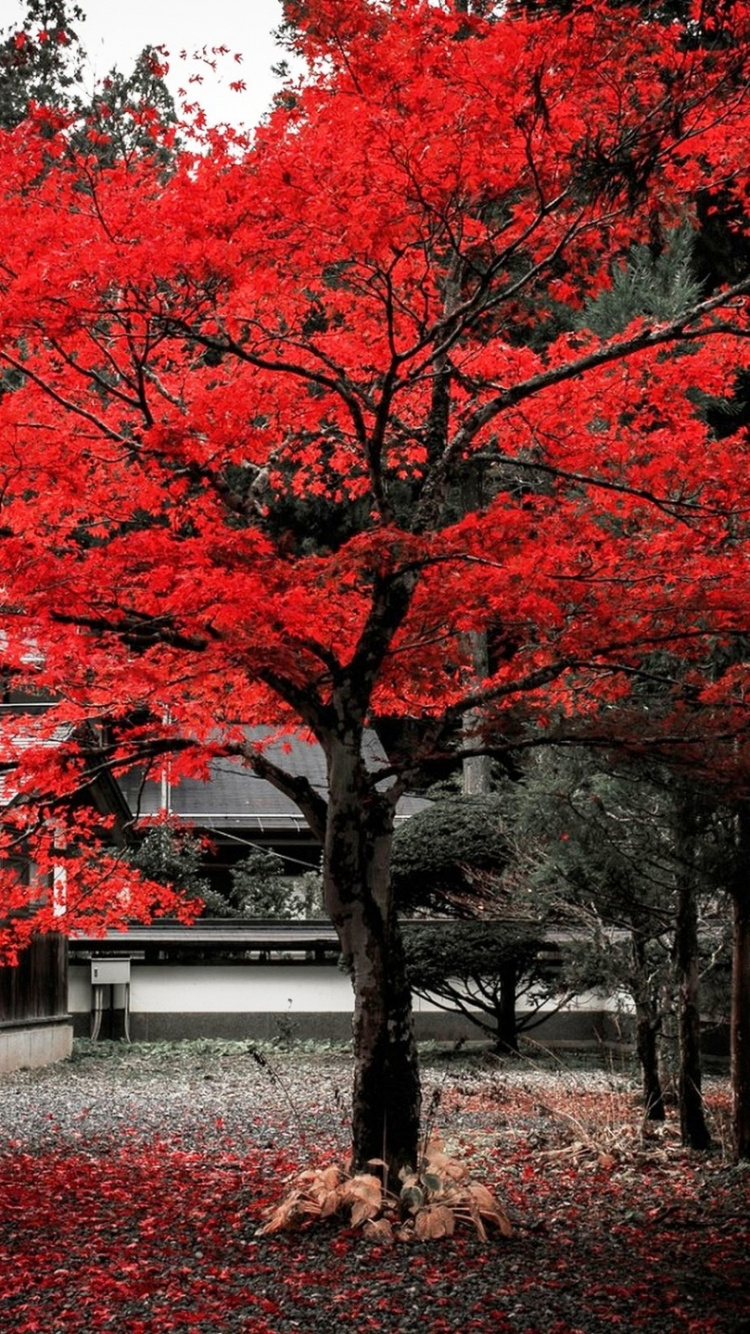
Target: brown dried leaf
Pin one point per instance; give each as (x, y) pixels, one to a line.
(330, 1204)
(483, 1204)
(434, 1221)
(332, 1176)
(314, 1184)
(378, 1229)
(291, 1213)
(448, 1169)
(480, 1195)
(363, 1210)
(276, 1223)
(364, 1186)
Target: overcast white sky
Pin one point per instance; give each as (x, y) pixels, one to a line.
(115, 32)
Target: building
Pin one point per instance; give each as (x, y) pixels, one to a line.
(236, 811)
(200, 973)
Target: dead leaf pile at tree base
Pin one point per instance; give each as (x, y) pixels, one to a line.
(434, 1201)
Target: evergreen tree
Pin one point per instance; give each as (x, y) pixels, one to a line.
(41, 60)
(483, 970)
(613, 847)
(130, 114)
(448, 857)
(173, 857)
(656, 283)
(262, 888)
(259, 888)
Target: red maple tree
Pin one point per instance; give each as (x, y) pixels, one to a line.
(287, 422)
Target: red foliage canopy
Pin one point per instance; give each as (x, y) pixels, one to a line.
(282, 424)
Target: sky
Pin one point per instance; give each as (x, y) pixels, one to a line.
(116, 31)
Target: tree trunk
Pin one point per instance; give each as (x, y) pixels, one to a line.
(648, 1054)
(695, 1133)
(740, 1005)
(476, 769)
(386, 1098)
(506, 1040)
(505, 1011)
(647, 1024)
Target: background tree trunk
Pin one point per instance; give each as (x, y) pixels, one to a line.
(505, 1014)
(648, 1055)
(476, 776)
(695, 1133)
(647, 1023)
(740, 1004)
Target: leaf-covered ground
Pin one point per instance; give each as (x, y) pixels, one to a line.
(132, 1182)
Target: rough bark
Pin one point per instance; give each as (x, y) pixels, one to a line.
(647, 1025)
(648, 1054)
(386, 1094)
(476, 769)
(476, 777)
(505, 1013)
(740, 1004)
(693, 1128)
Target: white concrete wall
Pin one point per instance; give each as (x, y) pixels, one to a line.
(243, 989)
(225, 989)
(38, 1044)
(222, 989)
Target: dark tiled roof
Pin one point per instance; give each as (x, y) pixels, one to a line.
(234, 798)
(279, 934)
(250, 933)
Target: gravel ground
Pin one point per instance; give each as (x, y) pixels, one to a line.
(132, 1181)
(109, 1090)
